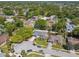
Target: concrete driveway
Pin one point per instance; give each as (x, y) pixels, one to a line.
(32, 38)
(26, 45)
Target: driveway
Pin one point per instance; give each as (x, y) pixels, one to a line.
(26, 45)
(32, 38)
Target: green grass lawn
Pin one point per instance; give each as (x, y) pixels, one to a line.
(54, 56)
(57, 46)
(34, 54)
(41, 42)
(5, 49)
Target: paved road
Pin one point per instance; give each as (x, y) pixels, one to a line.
(26, 45)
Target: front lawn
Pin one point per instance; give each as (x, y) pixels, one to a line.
(57, 46)
(5, 49)
(41, 42)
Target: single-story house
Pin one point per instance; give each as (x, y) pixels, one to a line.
(73, 40)
(56, 39)
(9, 19)
(72, 43)
(53, 18)
(41, 33)
(3, 38)
(45, 18)
(70, 27)
(34, 18)
(29, 22)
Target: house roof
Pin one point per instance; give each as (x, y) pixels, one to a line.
(3, 38)
(41, 33)
(55, 37)
(73, 40)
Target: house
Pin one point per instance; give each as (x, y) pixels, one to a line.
(69, 26)
(29, 22)
(45, 18)
(41, 33)
(3, 38)
(56, 39)
(34, 18)
(53, 18)
(72, 42)
(26, 11)
(9, 19)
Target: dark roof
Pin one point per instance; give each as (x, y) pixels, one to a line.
(3, 38)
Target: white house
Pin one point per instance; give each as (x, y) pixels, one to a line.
(9, 19)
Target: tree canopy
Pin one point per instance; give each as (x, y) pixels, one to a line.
(22, 34)
(41, 24)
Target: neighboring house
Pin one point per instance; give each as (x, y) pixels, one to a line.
(29, 23)
(45, 18)
(34, 18)
(3, 38)
(69, 26)
(53, 19)
(26, 11)
(41, 33)
(71, 41)
(56, 39)
(9, 19)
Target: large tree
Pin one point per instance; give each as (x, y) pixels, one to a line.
(75, 32)
(41, 24)
(22, 34)
(2, 20)
(60, 26)
(8, 11)
(10, 27)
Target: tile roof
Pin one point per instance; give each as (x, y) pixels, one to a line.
(3, 38)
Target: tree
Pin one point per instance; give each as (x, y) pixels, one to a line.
(10, 27)
(8, 11)
(60, 26)
(41, 24)
(75, 21)
(22, 34)
(2, 19)
(20, 12)
(18, 23)
(75, 32)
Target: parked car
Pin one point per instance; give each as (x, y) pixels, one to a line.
(39, 46)
(30, 50)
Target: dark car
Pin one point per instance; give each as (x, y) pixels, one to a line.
(30, 50)
(39, 46)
